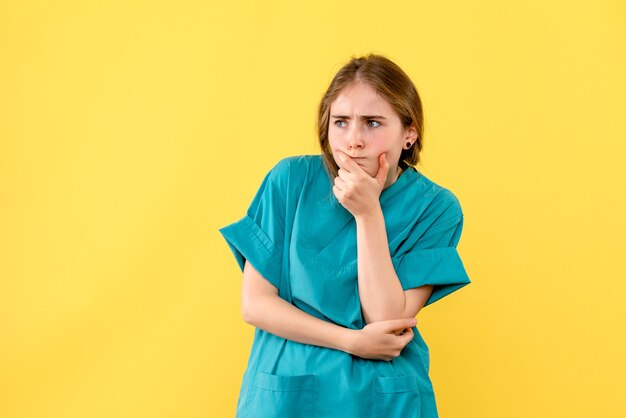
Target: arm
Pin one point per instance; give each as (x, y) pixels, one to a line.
(380, 290)
(263, 308)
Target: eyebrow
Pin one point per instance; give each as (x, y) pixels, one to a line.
(362, 117)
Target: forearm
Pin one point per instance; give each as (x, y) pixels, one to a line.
(380, 290)
(275, 315)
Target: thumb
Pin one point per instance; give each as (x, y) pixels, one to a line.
(383, 169)
(407, 336)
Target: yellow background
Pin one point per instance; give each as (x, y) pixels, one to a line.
(131, 131)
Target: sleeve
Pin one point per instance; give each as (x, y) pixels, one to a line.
(434, 259)
(258, 235)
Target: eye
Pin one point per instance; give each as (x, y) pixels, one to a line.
(339, 121)
(374, 121)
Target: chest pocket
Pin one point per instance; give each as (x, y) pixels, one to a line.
(397, 397)
(275, 396)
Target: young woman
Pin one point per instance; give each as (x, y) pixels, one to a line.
(339, 252)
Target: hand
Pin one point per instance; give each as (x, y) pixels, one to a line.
(355, 189)
(382, 340)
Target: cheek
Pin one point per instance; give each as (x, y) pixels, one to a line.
(332, 149)
(377, 149)
(334, 138)
(334, 145)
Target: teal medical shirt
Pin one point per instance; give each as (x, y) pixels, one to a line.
(302, 240)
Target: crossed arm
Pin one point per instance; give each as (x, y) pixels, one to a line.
(380, 291)
(263, 308)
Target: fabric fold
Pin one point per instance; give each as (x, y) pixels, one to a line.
(441, 267)
(247, 241)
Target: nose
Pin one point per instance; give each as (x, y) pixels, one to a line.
(354, 139)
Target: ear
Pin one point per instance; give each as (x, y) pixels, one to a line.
(411, 133)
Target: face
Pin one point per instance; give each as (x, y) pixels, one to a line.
(363, 125)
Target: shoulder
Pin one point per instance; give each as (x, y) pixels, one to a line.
(292, 170)
(449, 203)
(444, 206)
(292, 164)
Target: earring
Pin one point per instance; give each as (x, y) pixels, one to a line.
(408, 144)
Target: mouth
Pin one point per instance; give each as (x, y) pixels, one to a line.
(359, 160)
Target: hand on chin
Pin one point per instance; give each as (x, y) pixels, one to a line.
(364, 164)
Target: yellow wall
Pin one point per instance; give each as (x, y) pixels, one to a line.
(129, 133)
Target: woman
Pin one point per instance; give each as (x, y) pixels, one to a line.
(339, 253)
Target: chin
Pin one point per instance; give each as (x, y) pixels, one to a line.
(368, 170)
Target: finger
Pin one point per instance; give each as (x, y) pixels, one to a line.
(345, 174)
(348, 163)
(338, 193)
(399, 332)
(383, 168)
(340, 183)
(399, 324)
(404, 331)
(407, 337)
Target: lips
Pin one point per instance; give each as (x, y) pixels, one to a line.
(358, 160)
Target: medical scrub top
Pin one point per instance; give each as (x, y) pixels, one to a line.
(299, 237)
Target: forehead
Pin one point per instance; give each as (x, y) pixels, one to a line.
(361, 98)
